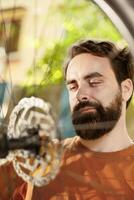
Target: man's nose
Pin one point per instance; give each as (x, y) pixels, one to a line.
(82, 95)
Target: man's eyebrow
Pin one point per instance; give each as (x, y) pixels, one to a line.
(93, 75)
(70, 82)
(88, 76)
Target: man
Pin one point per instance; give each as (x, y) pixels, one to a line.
(98, 164)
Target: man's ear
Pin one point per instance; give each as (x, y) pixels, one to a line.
(127, 89)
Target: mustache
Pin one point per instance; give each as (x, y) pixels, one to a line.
(85, 104)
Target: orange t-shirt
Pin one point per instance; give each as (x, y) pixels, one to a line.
(8, 181)
(86, 175)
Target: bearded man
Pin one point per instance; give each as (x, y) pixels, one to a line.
(98, 163)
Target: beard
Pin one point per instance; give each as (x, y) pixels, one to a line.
(94, 124)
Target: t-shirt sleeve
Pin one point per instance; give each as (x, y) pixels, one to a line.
(20, 192)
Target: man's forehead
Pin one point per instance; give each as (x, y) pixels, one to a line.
(87, 63)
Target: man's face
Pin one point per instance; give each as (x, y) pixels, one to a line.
(94, 95)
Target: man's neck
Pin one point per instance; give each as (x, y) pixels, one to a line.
(115, 140)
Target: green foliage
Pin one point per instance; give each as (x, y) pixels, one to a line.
(79, 20)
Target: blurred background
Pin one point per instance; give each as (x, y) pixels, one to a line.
(34, 39)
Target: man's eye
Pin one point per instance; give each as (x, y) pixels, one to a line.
(73, 87)
(95, 83)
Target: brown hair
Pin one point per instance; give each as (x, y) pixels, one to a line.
(121, 60)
